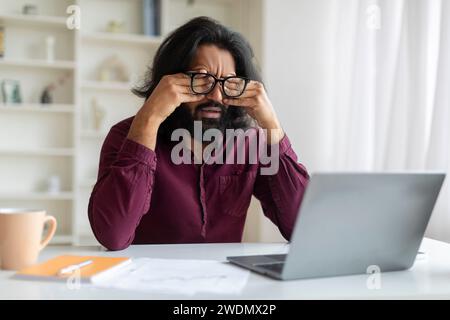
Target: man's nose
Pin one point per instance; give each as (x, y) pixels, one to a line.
(216, 94)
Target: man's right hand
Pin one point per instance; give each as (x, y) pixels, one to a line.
(169, 94)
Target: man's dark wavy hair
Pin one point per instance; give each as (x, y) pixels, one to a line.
(175, 55)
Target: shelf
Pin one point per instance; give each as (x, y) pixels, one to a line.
(61, 239)
(37, 196)
(37, 63)
(87, 183)
(122, 38)
(91, 134)
(86, 240)
(51, 152)
(37, 107)
(33, 20)
(107, 85)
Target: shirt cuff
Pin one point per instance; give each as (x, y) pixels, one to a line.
(139, 151)
(284, 144)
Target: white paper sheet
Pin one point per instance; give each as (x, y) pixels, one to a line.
(177, 276)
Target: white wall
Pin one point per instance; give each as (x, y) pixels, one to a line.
(294, 58)
(296, 47)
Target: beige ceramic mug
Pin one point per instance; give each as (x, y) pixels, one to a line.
(21, 236)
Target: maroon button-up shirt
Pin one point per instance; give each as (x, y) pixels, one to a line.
(141, 196)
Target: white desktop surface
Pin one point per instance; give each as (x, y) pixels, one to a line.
(429, 278)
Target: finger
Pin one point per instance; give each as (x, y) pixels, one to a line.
(240, 87)
(201, 84)
(235, 81)
(234, 86)
(240, 102)
(186, 90)
(198, 84)
(181, 75)
(254, 85)
(179, 79)
(188, 97)
(201, 87)
(182, 89)
(238, 93)
(185, 82)
(198, 80)
(245, 94)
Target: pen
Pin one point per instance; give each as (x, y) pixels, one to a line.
(74, 267)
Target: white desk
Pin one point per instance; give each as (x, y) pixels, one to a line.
(429, 278)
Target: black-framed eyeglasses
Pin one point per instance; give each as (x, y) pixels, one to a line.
(204, 83)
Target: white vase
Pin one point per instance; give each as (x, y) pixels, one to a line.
(50, 48)
(54, 184)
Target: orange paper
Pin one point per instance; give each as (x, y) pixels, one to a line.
(51, 268)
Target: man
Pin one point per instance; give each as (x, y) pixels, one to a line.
(201, 72)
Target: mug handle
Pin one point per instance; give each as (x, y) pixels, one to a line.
(50, 233)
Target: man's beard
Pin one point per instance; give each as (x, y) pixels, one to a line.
(182, 118)
(220, 123)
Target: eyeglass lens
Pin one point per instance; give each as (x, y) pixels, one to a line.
(203, 83)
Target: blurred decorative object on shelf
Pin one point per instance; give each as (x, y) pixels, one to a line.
(54, 184)
(11, 91)
(113, 69)
(151, 17)
(115, 26)
(2, 41)
(47, 93)
(98, 115)
(50, 48)
(30, 9)
(46, 96)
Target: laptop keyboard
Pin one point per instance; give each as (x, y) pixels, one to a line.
(276, 267)
(276, 257)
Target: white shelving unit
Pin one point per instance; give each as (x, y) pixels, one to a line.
(37, 196)
(32, 21)
(37, 64)
(106, 85)
(126, 38)
(60, 138)
(35, 107)
(50, 152)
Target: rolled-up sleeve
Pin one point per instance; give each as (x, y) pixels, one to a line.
(122, 193)
(281, 193)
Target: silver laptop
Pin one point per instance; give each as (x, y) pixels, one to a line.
(349, 222)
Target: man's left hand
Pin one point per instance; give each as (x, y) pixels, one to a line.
(259, 107)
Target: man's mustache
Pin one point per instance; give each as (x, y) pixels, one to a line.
(211, 104)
